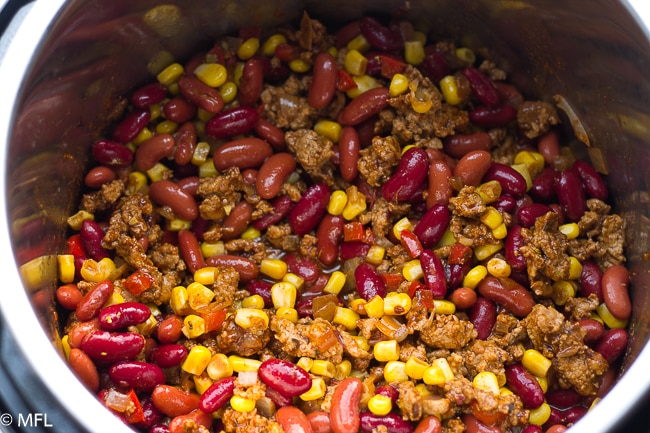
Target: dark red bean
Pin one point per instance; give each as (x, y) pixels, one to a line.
(282, 205)
(149, 94)
(393, 422)
(200, 94)
(388, 391)
(380, 36)
(563, 398)
(528, 214)
(247, 152)
(512, 182)
(349, 147)
(308, 212)
(513, 243)
(324, 77)
(278, 399)
(271, 134)
(302, 266)
(246, 267)
(369, 283)
(570, 195)
(434, 65)
(111, 153)
(98, 176)
(505, 203)
(251, 82)
(483, 315)
(459, 145)
(574, 414)
(179, 110)
(615, 282)
(329, 235)
(285, 377)
(190, 250)
(111, 347)
(138, 375)
(217, 395)
(262, 288)
(151, 414)
(231, 122)
(532, 428)
(273, 173)
(432, 225)
(591, 280)
(91, 237)
(524, 384)
(364, 106)
(508, 293)
(592, 182)
(482, 87)
(493, 117)
(543, 188)
(186, 138)
(168, 355)
(456, 273)
(612, 344)
(237, 220)
(123, 315)
(353, 249)
(131, 125)
(92, 302)
(593, 330)
(153, 150)
(434, 273)
(474, 425)
(412, 170)
(168, 193)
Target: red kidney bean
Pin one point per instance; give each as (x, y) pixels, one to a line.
(168, 193)
(231, 122)
(190, 250)
(505, 203)
(249, 152)
(434, 274)
(532, 428)
(432, 225)
(68, 295)
(412, 170)
(138, 375)
(246, 267)
(120, 316)
(615, 282)
(98, 176)
(305, 267)
(161, 428)
(591, 280)
(364, 106)
(284, 377)
(169, 329)
(482, 87)
(512, 182)
(563, 398)
(543, 188)
(483, 316)
(179, 109)
(369, 422)
(612, 344)
(349, 147)
(293, 420)
(549, 146)
(558, 428)
(173, 401)
(307, 213)
(282, 205)
(151, 414)
(149, 94)
(185, 138)
(328, 235)
(153, 150)
(429, 424)
(346, 33)
(524, 384)
(91, 237)
(273, 173)
(508, 293)
(262, 288)
(439, 189)
(473, 425)
(388, 391)
(353, 249)
(319, 421)
(278, 399)
(89, 306)
(190, 185)
(493, 117)
(528, 214)
(236, 222)
(369, 283)
(251, 82)
(459, 145)
(380, 36)
(80, 330)
(514, 241)
(111, 153)
(271, 134)
(509, 94)
(344, 410)
(217, 395)
(200, 94)
(195, 418)
(463, 298)
(434, 65)
(250, 176)
(570, 195)
(168, 355)
(472, 167)
(131, 125)
(574, 414)
(110, 347)
(593, 330)
(323, 84)
(84, 368)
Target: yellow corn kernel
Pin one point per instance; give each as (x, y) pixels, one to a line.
(533, 160)
(328, 129)
(608, 318)
(296, 280)
(433, 375)
(421, 101)
(395, 371)
(398, 85)
(335, 283)
(543, 383)
(201, 153)
(253, 301)
(237, 72)
(205, 275)
(413, 52)
(299, 66)
(219, 367)
(155, 110)
(75, 221)
(283, 295)
(321, 367)
(253, 318)
(423, 390)
(317, 390)
(242, 404)
(415, 368)
(173, 88)
(466, 55)
(401, 225)
(505, 391)
(202, 383)
(305, 363)
(397, 304)
(563, 291)
(575, 268)
(380, 404)
(443, 306)
(386, 351)
(197, 360)
(570, 230)
(291, 314)
(355, 63)
(198, 295)
(482, 252)
(346, 317)
(412, 270)
(274, 268)
(240, 364)
(157, 172)
(207, 169)
(475, 276)
(170, 74)
(492, 217)
(144, 135)
(449, 89)
(251, 233)
(489, 191)
(65, 346)
(498, 267)
(539, 415)
(364, 83)
(338, 200)
(209, 249)
(375, 254)
(148, 326)
(523, 170)
(203, 116)
(65, 263)
(228, 91)
(212, 74)
(359, 43)
(166, 127)
(272, 42)
(343, 370)
(97, 271)
(136, 182)
(501, 232)
(362, 342)
(375, 307)
(248, 48)
(444, 366)
(193, 326)
(356, 203)
(114, 299)
(357, 305)
(447, 239)
(487, 381)
(178, 224)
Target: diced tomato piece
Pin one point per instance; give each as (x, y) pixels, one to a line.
(410, 241)
(392, 281)
(345, 82)
(459, 254)
(353, 231)
(75, 247)
(137, 414)
(391, 66)
(422, 296)
(213, 318)
(138, 282)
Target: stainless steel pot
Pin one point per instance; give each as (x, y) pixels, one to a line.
(65, 63)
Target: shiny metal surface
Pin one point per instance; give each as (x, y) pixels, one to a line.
(67, 63)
